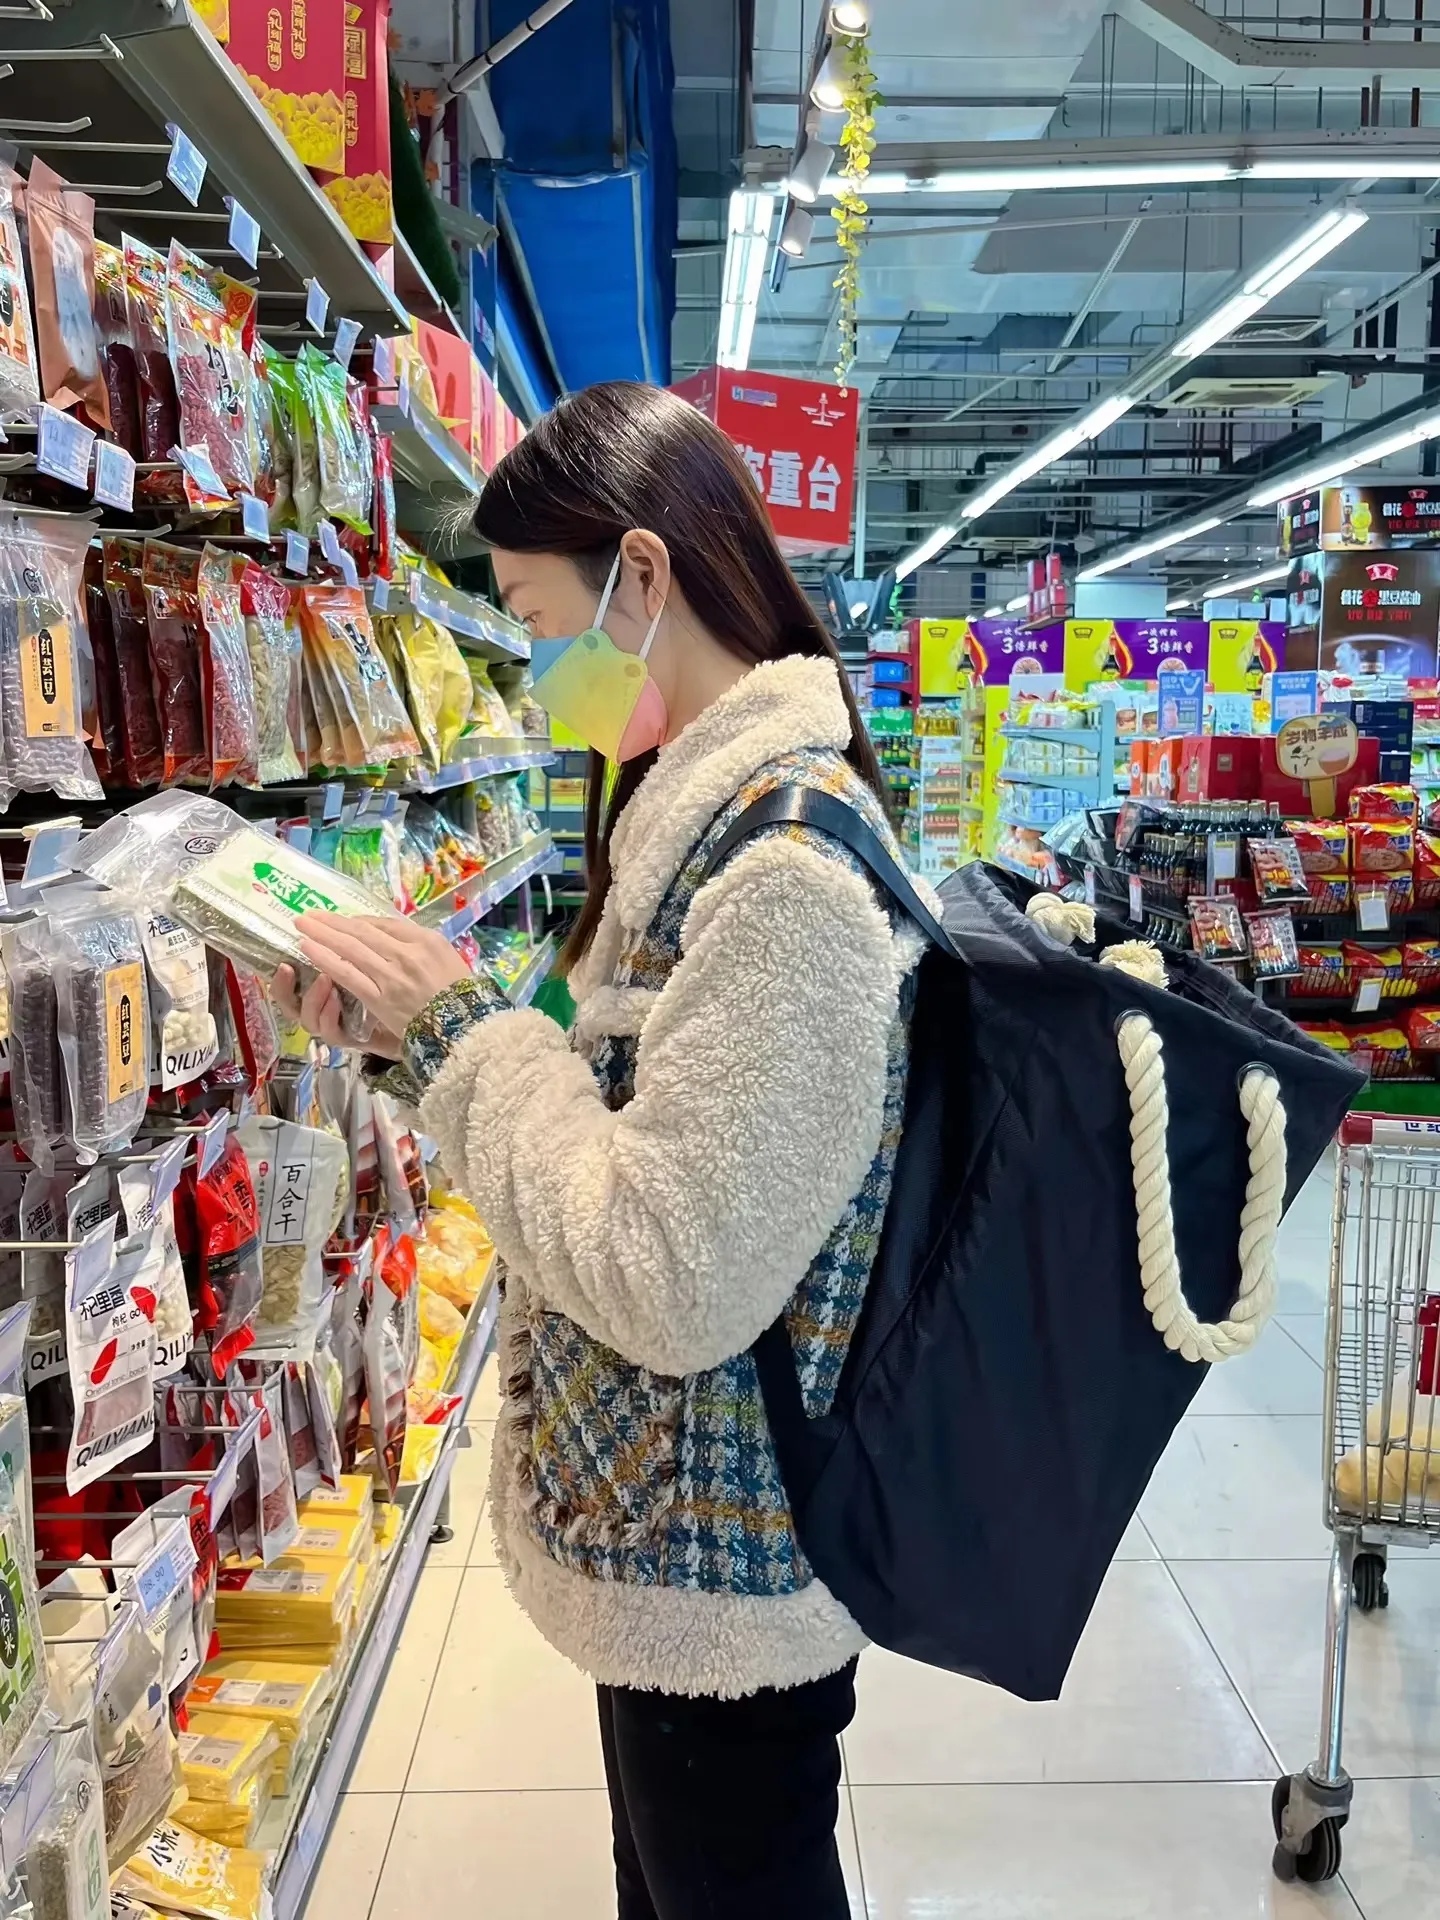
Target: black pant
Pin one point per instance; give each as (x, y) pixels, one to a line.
(726, 1809)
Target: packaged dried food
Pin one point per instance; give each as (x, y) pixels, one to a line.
(107, 740)
(386, 535)
(293, 413)
(268, 1693)
(19, 372)
(1329, 892)
(110, 1306)
(146, 274)
(1422, 1029)
(321, 1374)
(159, 1551)
(42, 1220)
(386, 1378)
(436, 681)
(1321, 844)
(1381, 846)
(222, 1753)
(147, 1202)
(1420, 961)
(275, 430)
(36, 1072)
(343, 466)
(285, 1607)
(42, 560)
(300, 1432)
(117, 350)
(1383, 1051)
(402, 1171)
(279, 1527)
(184, 1872)
(1278, 874)
(187, 1043)
(302, 1177)
(65, 1867)
(1274, 952)
(172, 601)
(234, 1823)
(226, 685)
(124, 580)
(353, 1493)
(239, 890)
(1384, 802)
(489, 714)
(231, 1278)
(337, 622)
(104, 1018)
(62, 260)
(264, 604)
(22, 1675)
(253, 1018)
(209, 326)
(1384, 965)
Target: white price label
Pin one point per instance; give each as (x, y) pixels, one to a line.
(332, 801)
(1137, 897)
(1367, 996)
(1224, 854)
(48, 855)
(114, 476)
(330, 542)
(185, 169)
(254, 518)
(317, 306)
(380, 593)
(297, 553)
(166, 1175)
(201, 469)
(64, 449)
(347, 332)
(1089, 886)
(383, 364)
(1372, 910)
(212, 1142)
(349, 572)
(87, 1264)
(244, 233)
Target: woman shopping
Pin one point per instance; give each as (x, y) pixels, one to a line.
(708, 1152)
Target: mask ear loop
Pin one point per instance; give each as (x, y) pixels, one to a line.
(649, 639)
(600, 611)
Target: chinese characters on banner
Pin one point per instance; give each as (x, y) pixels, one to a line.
(798, 438)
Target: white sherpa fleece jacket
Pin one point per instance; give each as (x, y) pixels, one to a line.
(676, 1229)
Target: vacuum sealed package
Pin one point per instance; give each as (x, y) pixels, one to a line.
(274, 664)
(345, 479)
(62, 259)
(139, 1764)
(208, 325)
(123, 573)
(279, 1526)
(36, 1071)
(401, 1172)
(145, 278)
(19, 372)
(22, 1675)
(187, 1043)
(65, 1864)
(117, 350)
(323, 1388)
(42, 1219)
(256, 1033)
(293, 416)
(110, 1305)
(226, 684)
(107, 737)
(42, 561)
(239, 890)
(300, 1427)
(104, 1018)
(302, 1177)
(172, 604)
(385, 1384)
(228, 1237)
(147, 1202)
(184, 1872)
(337, 625)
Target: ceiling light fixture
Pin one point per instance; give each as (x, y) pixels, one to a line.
(1287, 266)
(827, 89)
(809, 171)
(1080, 177)
(795, 232)
(1174, 606)
(992, 613)
(1142, 549)
(1226, 589)
(927, 550)
(1364, 453)
(850, 16)
(1020, 600)
(746, 241)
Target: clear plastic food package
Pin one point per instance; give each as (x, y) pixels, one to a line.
(65, 1866)
(172, 605)
(139, 1764)
(103, 1012)
(110, 1338)
(36, 1071)
(19, 374)
(145, 276)
(42, 563)
(226, 683)
(23, 1679)
(62, 259)
(208, 325)
(302, 1178)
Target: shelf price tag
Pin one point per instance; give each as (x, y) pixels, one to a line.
(1372, 910)
(1089, 886)
(48, 855)
(185, 169)
(197, 463)
(64, 449)
(114, 475)
(332, 801)
(244, 232)
(166, 1176)
(1367, 996)
(383, 364)
(317, 306)
(1224, 857)
(254, 518)
(1137, 897)
(347, 332)
(297, 552)
(349, 572)
(380, 593)
(212, 1143)
(330, 542)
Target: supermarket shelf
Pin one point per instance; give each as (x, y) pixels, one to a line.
(1076, 780)
(310, 1810)
(525, 988)
(130, 68)
(427, 454)
(513, 757)
(457, 909)
(1050, 733)
(474, 622)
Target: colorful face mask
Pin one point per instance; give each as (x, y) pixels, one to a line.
(605, 696)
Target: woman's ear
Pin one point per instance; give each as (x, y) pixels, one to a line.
(646, 554)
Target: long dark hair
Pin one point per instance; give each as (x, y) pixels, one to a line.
(620, 456)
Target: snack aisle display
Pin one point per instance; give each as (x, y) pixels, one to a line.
(240, 1314)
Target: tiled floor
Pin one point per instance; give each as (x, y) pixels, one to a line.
(1144, 1791)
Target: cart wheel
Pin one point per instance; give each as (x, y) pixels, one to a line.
(1369, 1587)
(1319, 1855)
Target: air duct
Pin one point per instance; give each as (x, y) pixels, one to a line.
(1237, 60)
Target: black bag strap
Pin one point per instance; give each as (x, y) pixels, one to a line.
(828, 814)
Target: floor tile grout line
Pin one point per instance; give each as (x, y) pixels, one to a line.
(1282, 1328)
(849, 1787)
(1235, 1687)
(384, 1855)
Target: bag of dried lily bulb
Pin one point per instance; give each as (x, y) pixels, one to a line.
(104, 1017)
(302, 1181)
(238, 889)
(42, 561)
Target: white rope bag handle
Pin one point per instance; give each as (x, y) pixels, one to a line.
(1174, 1317)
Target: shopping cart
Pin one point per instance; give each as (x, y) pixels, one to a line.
(1381, 1430)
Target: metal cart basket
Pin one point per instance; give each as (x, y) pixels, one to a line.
(1381, 1461)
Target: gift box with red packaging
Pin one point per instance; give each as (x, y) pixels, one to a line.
(1219, 767)
(1294, 796)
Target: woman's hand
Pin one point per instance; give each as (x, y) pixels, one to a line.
(393, 967)
(320, 1011)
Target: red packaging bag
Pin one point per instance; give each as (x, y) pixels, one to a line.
(144, 759)
(227, 683)
(227, 1227)
(209, 325)
(145, 276)
(172, 605)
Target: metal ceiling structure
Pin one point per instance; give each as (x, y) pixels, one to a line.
(993, 316)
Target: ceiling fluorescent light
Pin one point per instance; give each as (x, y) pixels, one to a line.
(809, 171)
(992, 613)
(1077, 176)
(928, 548)
(827, 89)
(796, 231)
(1363, 453)
(1225, 589)
(1020, 600)
(1277, 273)
(1174, 606)
(850, 16)
(745, 246)
(1360, 168)
(1142, 549)
(1088, 427)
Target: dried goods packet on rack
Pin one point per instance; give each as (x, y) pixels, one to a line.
(172, 606)
(302, 1180)
(124, 577)
(104, 1017)
(65, 1867)
(62, 258)
(139, 1761)
(110, 1334)
(274, 665)
(42, 611)
(226, 682)
(147, 1199)
(337, 623)
(145, 277)
(37, 1084)
(117, 349)
(210, 323)
(346, 480)
(19, 367)
(239, 890)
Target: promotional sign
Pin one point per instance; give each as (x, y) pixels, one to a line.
(955, 652)
(1317, 749)
(1242, 652)
(1299, 523)
(1357, 613)
(1293, 696)
(1350, 519)
(798, 438)
(1131, 649)
(1182, 700)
